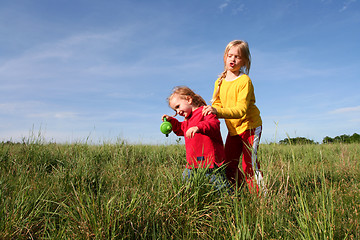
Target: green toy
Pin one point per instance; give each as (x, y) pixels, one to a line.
(166, 127)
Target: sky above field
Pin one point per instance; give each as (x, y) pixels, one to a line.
(100, 71)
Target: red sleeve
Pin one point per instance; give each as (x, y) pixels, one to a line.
(176, 126)
(210, 126)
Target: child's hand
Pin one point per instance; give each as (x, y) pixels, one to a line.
(190, 133)
(208, 110)
(165, 116)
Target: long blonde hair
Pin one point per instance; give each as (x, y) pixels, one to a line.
(185, 92)
(244, 52)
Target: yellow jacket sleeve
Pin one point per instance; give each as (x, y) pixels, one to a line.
(235, 103)
(241, 98)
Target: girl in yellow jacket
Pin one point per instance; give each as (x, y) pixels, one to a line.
(234, 100)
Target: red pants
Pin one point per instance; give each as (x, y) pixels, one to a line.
(247, 144)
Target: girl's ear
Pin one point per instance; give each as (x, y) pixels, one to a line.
(189, 99)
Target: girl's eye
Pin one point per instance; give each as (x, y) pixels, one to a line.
(235, 56)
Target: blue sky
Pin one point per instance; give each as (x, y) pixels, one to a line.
(100, 71)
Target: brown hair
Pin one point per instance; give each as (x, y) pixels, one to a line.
(184, 92)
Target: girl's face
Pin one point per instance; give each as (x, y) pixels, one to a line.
(182, 106)
(233, 60)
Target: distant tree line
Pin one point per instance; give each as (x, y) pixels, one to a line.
(355, 138)
(297, 140)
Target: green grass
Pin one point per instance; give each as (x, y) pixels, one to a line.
(122, 191)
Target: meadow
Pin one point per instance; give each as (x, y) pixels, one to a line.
(124, 191)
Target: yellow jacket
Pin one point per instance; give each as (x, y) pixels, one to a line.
(236, 103)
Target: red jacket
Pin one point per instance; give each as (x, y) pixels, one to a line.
(206, 148)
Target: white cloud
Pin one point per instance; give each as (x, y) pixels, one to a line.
(224, 5)
(346, 110)
(35, 110)
(54, 115)
(347, 3)
(238, 9)
(18, 108)
(235, 6)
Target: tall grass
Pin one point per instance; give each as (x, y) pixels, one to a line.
(122, 191)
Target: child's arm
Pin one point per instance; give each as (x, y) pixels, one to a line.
(209, 109)
(176, 125)
(245, 95)
(210, 126)
(190, 133)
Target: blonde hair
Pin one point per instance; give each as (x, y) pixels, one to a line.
(245, 55)
(185, 92)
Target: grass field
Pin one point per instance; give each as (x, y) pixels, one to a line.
(123, 191)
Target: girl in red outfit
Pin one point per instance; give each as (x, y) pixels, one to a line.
(203, 142)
